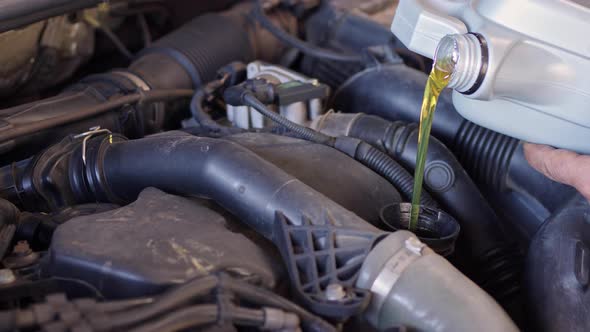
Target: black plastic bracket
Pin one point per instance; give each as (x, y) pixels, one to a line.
(318, 256)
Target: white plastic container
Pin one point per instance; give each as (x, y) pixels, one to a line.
(528, 70)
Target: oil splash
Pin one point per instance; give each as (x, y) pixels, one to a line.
(437, 80)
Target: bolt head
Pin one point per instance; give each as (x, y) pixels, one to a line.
(335, 292)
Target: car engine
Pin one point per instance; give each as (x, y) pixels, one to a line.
(174, 165)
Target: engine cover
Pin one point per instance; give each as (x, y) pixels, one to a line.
(157, 241)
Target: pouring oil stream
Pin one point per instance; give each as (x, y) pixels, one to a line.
(439, 78)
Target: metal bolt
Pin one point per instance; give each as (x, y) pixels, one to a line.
(6, 277)
(335, 292)
(21, 249)
(414, 245)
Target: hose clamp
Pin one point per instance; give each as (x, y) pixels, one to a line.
(88, 135)
(393, 270)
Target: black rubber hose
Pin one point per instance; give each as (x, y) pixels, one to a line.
(239, 180)
(200, 47)
(302, 46)
(366, 154)
(558, 270)
(200, 116)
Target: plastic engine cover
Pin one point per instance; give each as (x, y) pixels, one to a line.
(157, 241)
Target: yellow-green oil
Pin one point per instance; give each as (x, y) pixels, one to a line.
(437, 80)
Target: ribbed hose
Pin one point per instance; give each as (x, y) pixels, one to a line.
(382, 164)
(206, 44)
(485, 154)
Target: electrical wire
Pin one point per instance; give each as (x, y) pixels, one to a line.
(199, 315)
(193, 316)
(166, 302)
(304, 47)
(307, 133)
(86, 112)
(265, 297)
(176, 309)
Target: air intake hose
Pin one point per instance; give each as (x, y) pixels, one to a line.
(395, 92)
(184, 59)
(449, 185)
(242, 182)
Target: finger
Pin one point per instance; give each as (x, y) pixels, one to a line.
(561, 165)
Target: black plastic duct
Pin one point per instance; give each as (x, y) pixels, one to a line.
(184, 59)
(558, 270)
(395, 92)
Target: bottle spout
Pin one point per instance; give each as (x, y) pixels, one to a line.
(465, 56)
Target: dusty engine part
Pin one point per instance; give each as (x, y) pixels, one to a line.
(157, 241)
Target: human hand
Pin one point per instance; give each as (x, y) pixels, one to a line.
(561, 165)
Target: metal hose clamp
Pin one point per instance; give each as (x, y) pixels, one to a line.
(88, 135)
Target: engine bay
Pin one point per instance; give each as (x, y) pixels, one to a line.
(247, 165)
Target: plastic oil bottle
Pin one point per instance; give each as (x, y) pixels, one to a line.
(525, 77)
